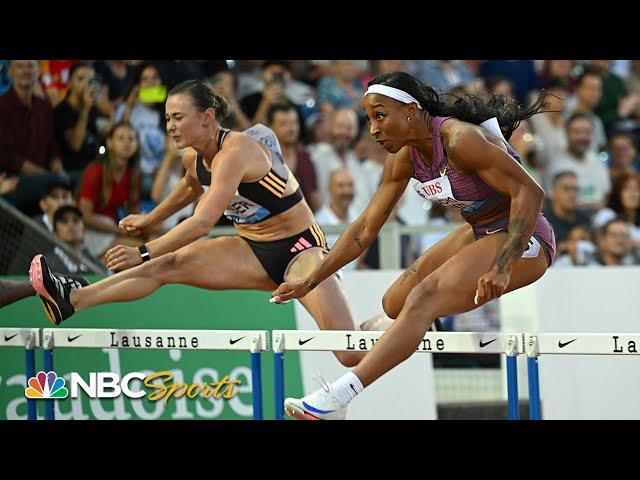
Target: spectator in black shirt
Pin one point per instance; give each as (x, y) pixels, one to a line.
(75, 120)
(562, 211)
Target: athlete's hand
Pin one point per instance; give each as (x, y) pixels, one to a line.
(290, 290)
(134, 224)
(120, 258)
(491, 285)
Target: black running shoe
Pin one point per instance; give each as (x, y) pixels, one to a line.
(53, 290)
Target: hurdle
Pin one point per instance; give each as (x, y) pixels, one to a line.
(509, 344)
(254, 341)
(537, 344)
(29, 339)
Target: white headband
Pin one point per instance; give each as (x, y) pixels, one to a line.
(394, 93)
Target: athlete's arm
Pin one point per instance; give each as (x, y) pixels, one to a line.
(227, 172)
(186, 191)
(361, 233)
(471, 150)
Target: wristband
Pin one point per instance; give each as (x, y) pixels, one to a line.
(144, 253)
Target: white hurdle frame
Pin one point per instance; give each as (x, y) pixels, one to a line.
(509, 344)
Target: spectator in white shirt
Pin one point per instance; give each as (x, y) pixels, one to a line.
(339, 154)
(340, 209)
(594, 181)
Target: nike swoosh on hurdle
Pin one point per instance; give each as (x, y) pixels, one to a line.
(562, 345)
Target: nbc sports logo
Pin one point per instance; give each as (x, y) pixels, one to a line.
(46, 385)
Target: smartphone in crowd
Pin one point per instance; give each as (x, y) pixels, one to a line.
(278, 77)
(157, 94)
(94, 88)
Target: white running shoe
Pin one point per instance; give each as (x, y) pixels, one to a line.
(319, 405)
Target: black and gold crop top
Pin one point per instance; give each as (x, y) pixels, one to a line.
(257, 201)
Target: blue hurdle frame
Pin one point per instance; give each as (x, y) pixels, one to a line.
(278, 381)
(47, 362)
(30, 371)
(513, 406)
(256, 385)
(531, 350)
(535, 410)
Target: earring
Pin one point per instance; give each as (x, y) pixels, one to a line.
(408, 119)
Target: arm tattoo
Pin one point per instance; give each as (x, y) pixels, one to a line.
(515, 244)
(409, 271)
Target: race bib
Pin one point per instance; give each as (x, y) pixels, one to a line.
(439, 191)
(242, 210)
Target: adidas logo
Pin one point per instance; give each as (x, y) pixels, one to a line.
(58, 285)
(63, 283)
(300, 245)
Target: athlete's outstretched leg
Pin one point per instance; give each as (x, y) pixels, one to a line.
(215, 264)
(12, 291)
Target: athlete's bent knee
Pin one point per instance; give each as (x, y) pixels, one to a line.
(391, 305)
(349, 359)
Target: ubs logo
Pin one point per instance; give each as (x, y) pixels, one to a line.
(432, 189)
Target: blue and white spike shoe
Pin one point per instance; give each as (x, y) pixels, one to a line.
(319, 405)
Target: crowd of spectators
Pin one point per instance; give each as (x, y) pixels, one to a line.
(89, 136)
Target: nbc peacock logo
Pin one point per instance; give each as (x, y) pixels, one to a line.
(46, 385)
